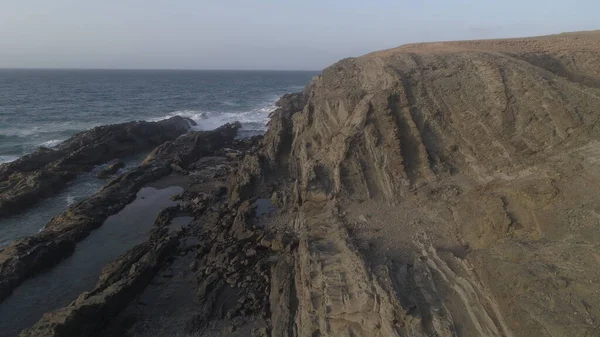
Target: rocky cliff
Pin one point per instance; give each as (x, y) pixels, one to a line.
(465, 173)
(441, 189)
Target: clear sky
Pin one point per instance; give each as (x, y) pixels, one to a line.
(259, 34)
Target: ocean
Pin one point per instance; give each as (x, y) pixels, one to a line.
(45, 107)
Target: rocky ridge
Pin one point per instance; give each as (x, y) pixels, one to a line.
(46, 171)
(29, 255)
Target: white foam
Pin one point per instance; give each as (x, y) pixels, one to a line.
(47, 128)
(70, 200)
(195, 115)
(20, 132)
(230, 103)
(7, 159)
(52, 143)
(253, 120)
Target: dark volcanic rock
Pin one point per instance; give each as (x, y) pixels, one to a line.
(110, 170)
(119, 282)
(44, 172)
(29, 255)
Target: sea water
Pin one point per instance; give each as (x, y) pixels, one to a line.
(45, 107)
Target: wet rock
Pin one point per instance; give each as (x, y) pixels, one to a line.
(27, 256)
(119, 283)
(178, 169)
(110, 170)
(46, 171)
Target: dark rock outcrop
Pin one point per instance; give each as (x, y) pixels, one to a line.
(124, 278)
(110, 170)
(27, 256)
(118, 284)
(46, 171)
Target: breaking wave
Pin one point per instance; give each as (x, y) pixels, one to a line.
(254, 121)
(52, 142)
(8, 159)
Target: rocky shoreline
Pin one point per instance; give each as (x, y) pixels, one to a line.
(410, 192)
(46, 171)
(29, 255)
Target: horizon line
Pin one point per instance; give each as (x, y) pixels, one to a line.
(155, 69)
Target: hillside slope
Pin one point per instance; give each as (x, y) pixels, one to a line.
(464, 173)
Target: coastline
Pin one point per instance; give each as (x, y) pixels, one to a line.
(414, 192)
(44, 107)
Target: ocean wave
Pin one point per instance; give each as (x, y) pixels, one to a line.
(70, 199)
(25, 132)
(48, 129)
(253, 120)
(8, 159)
(230, 103)
(52, 142)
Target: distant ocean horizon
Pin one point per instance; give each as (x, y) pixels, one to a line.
(43, 107)
(168, 69)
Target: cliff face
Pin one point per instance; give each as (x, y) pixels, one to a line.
(467, 170)
(382, 124)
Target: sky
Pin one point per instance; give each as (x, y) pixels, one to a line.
(259, 34)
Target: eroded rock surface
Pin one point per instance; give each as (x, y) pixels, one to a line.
(461, 170)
